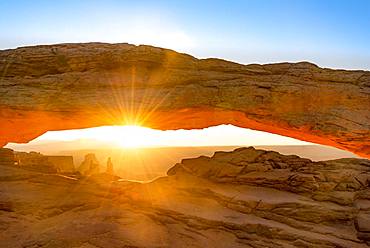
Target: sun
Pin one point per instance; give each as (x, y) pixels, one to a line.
(131, 136)
(128, 136)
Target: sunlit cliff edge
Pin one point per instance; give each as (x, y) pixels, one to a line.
(68, 86)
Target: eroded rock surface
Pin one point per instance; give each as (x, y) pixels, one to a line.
(69, 86)
(244, 198)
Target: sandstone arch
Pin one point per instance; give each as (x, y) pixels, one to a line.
(69, 86)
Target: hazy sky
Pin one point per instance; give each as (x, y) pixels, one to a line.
(331, 33)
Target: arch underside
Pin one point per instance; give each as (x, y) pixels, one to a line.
(70, 86)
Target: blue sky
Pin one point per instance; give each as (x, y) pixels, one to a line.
(330, 33)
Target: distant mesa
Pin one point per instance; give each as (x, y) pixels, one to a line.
(7, 156)
(45, 163)
(37, 161)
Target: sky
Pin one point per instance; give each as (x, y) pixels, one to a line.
(330, 33)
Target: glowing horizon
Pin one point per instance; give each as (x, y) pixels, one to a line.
(131, 136)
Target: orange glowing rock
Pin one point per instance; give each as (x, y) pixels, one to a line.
(69, 86)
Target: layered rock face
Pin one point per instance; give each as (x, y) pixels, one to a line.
(70, 86)
(244, 198)
(336, 192)
(324, 180)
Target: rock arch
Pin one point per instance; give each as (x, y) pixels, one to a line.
(68, 86)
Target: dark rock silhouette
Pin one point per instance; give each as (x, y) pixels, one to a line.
(110, 169)
(45, 163)
(90, 165)
(7, 156)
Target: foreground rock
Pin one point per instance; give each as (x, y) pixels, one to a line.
(71, 86)
(244, 198)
